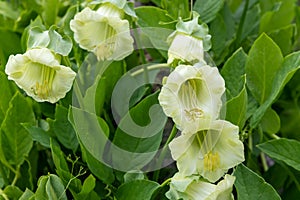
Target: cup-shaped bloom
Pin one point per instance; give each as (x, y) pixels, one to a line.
(39, 73)
(192, 95)
(103, 32)
(188, 42)
(210, 151)
(192, 188)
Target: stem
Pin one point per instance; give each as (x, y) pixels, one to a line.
(250, 140)
(2, 194)
(17, 175)
(164, 151)
(241, 25)
(275, 136)
(264, 161)
(166, 182)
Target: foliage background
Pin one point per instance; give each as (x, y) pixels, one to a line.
(254, 44)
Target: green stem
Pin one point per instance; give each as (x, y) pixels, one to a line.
(250, 140)
(17, 175)
(2, 194)
(166, 182)
(264, 161)
(164, 151)
(275, 136)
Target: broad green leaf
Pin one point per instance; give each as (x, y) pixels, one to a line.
(38, 134)
(182, 8)
(9, 44)
(222, 30)
(50, 187)
(63, 128)
(15, 141)
(137, 190)
(65, 21)
(27, 195)
(38, 37)
(208, 9)
(49, 11)
(285, 150)
(233, 73)
(12, 192)
(92, 133)
(149, 16)
(54, 188)
(25, 180)
(156, 26)
(7, 11)
(87, 187)
(251, 186)
(284, 38)
(282, 16)
(6, 93)
(58, 157)
(253, 18)
(138, 135)
(270, 122)
(59, 44)
(290, 65)
(236, 109)
(262, 66)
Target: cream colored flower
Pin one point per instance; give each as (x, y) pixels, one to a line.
(103, 32)
(210, 151)
(188, 42)
(192, 96)
(191, 188)
(39, 73)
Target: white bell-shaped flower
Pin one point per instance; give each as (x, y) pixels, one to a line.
(210, 151)
(39, 73)
(192, 188)
(192, 95)
(103, 32)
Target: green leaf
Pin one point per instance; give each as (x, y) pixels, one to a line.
(9, 44)
(27, 195)
(92, 132)
(290, 65)
(49, 11)
(156, 26)
(233, 73)
(222, 30)
(284, 38)
(58, 157)
(6, 93)
(15, 141)
(282, 16)
(182, 8)
(12, 192)
(38, 134)
(88, 187)
(253, 18)
(59, 44)
(139, 136)
(208, 9)
(262, 65)
(63, 128)
(149, 16)
(50, 187)
(270, 122)
(251, 186)
(236, 109)
(286, 150)
(136, 190)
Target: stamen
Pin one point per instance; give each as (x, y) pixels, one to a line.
(43, 88)
(211, 161)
